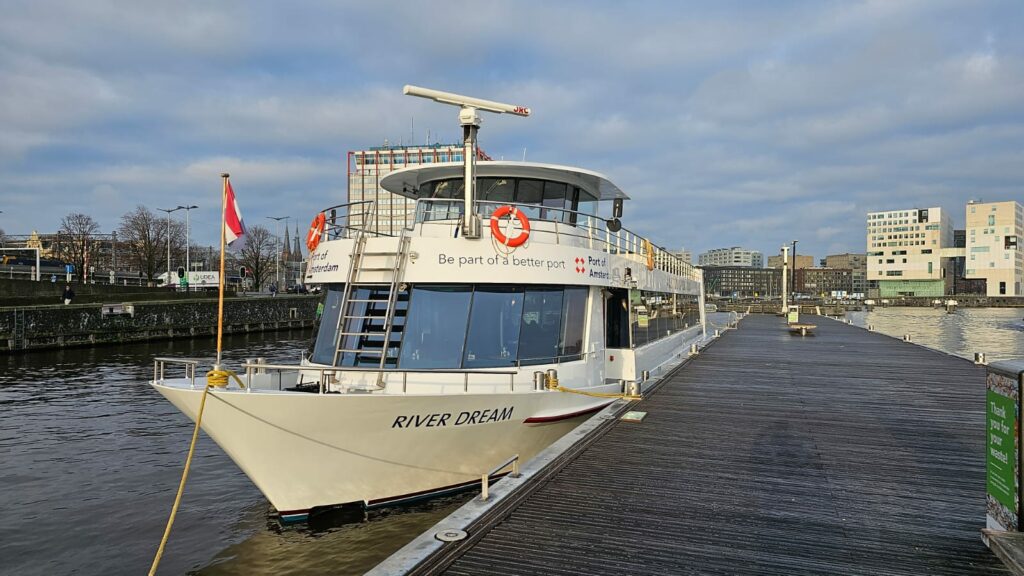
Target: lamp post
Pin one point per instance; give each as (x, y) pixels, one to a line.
(188, 263)
(169, 210)
(793, 279)
(277, 243)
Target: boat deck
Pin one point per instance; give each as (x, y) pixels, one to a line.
(847, 453)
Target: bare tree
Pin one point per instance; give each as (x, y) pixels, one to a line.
(258, 254)
(144, 234)
(76, 232)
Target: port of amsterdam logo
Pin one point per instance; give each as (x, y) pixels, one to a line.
(579, 265)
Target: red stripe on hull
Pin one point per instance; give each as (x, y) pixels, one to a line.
(539, 419)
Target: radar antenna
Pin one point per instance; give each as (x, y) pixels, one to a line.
(470, 121)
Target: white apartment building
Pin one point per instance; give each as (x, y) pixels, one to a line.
(994, 248)
(366, 168)
(734, 256)
(904, 251)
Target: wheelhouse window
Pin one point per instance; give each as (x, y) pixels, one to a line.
(493, 337)
(435, 330)
(542, 318)
(552, 199)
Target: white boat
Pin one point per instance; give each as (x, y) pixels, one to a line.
(439, 356)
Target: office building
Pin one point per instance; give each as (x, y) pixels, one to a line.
(801, 261)
(742, 282)
(823, 282)
(993, 250)
(734, 256)
(904, 251)
(857, 264)
(366, 168)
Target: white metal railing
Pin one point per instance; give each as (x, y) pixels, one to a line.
(587, 229)
(327, 375)
(160, 365)
(485, 479)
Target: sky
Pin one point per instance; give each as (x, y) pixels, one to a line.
(728, 123)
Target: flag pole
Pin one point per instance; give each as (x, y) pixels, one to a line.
(220, 285)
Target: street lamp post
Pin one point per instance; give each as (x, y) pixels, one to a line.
(188, 263)
(793, 279)
(168, 211)
(277, 243)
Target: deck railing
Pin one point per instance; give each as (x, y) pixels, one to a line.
(326, 375)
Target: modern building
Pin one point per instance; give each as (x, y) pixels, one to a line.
(994, 250)
(734, 256)
(742, 282)
(857, 264)
(390, 212)
(685, 255)
(823, 282)
(801, 261)
(904, 251)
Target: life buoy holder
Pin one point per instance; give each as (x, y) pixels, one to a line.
(316, 230)
(649, 248)
(498, 235)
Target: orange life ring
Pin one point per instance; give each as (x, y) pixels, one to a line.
(316, 230)
(502, 212)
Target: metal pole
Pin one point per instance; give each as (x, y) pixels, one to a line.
(785, 287)
(188, 260)
(168, 211)
(793, 279)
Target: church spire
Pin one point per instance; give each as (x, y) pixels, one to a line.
(286, 253)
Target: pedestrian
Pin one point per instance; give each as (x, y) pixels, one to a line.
(69, 294)
(273, 289)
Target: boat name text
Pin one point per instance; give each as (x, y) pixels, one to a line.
(440, 419)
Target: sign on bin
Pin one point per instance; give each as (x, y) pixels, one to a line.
(1002, 454)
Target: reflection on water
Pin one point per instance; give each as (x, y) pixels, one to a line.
(91, 458)
(998, 332)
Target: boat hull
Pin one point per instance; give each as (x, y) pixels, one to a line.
(311, 450)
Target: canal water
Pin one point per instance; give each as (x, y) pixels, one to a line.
(91, 456)
(998, 332)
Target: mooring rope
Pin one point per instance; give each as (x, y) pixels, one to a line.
(216, 378)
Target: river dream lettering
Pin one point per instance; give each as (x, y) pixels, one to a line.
(440, 419)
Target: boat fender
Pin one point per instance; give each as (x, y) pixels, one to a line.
(316, 230)
(502, 212)
(649, 248)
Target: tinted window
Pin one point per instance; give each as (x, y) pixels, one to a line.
(493, 338)
(495, 189)
(542, 320)
(554, 197)
(436, 327)
(574, 319)
(323, 350)
(530, 192)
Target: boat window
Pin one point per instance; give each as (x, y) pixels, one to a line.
(493, 337)
(530, 192)
(655, 315)
(542, 312)
(554, 197)
(326, 337)
(496, 189)
(574, 319)
(435, 329)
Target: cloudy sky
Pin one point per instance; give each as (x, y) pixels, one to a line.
(728, 123)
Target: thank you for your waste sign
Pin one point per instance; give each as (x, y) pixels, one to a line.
(1002, 455)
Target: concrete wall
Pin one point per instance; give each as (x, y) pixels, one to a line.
(15, 292)
(61, 326)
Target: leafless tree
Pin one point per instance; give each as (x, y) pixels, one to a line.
(258, 254)
(75, 246)
(144, 234)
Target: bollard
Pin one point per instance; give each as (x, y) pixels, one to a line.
(694, 350)
(906, 337)
(979, 359)
(716, 333)
(645, 375)
(552, 378)
(538, 381)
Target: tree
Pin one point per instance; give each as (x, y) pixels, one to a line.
(258, 254)
(75, 241)
(145, 234)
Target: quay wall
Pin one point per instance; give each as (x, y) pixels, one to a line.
(59, 326)
(15, 292)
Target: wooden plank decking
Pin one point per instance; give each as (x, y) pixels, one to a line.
(846, 452)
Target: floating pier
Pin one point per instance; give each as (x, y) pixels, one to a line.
(847, 453)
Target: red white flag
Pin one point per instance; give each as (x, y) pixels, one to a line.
(234, 228)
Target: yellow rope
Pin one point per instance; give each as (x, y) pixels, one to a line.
(216, 378)
(597, 394)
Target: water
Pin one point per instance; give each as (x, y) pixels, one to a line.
(91, 456)
(998, 332)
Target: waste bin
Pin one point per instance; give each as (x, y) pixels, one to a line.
(1002, 445)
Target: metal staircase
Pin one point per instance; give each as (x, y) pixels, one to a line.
(373, 310)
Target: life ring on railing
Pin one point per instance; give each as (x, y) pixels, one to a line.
(518, 240)
(649, 248)
(316, 230)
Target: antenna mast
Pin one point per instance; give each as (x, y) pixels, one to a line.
(470, 121)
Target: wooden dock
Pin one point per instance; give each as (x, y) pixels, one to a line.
(844, 453)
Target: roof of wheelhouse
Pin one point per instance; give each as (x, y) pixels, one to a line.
(406, 182)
